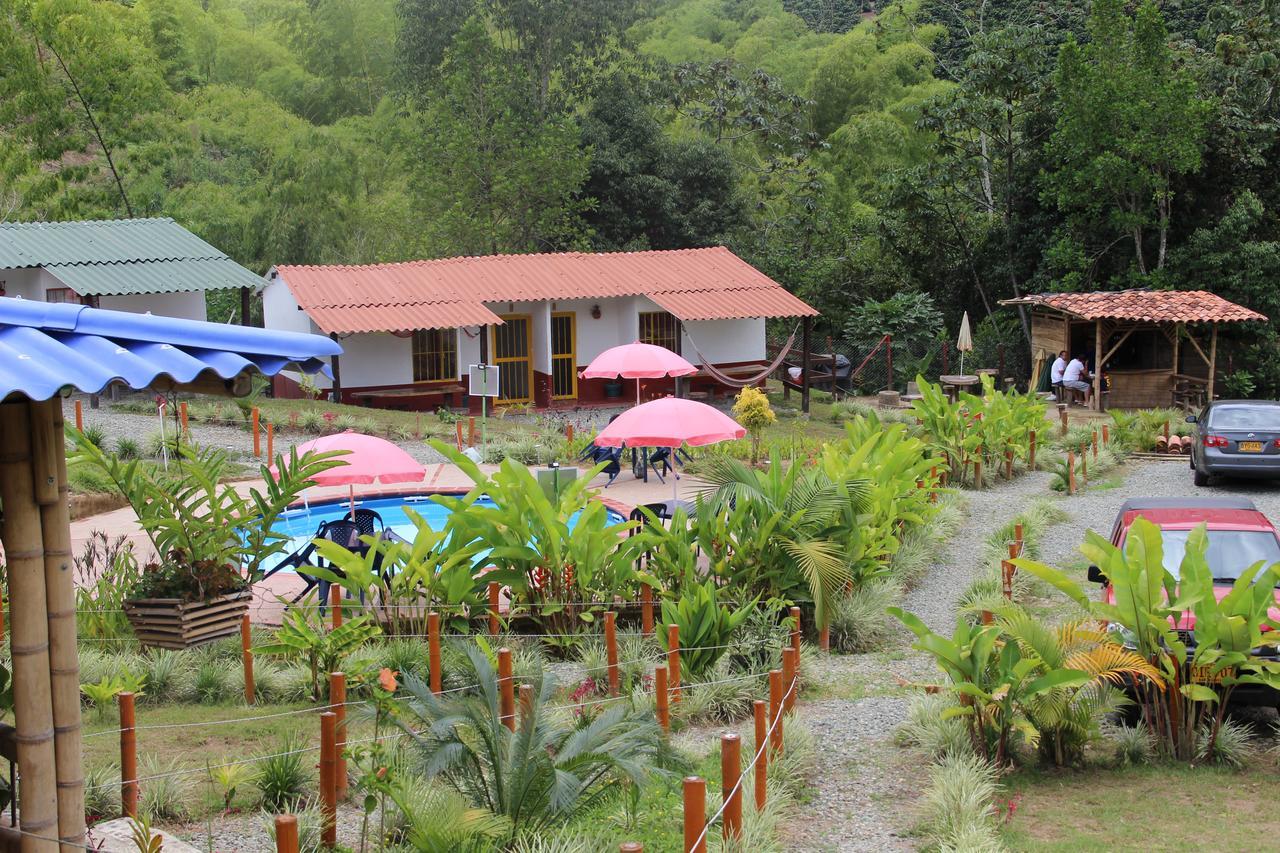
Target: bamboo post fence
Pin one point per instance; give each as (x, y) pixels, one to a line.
(1008, 464)
(611, 650)
(695, 814)
(182, 416)
(1084, 468)
(646, 610)
(673, 661)
(568, 433)
(271, 441)
(1094, 441)
(526, 703)
(760, 716)
(79, 417)
(328, 779)
(1006, 579)
(457, 439)
(257, 438)
(471, 432)
(433, 651)
(494, 590)
(338, 702)
(1071, 473)
(977, 469)
(795, 632)
(246, 654)
(128, 755)
(1106, 434)
(286, 833)
(1063, 417)
(506, 690)
(29, 645)
(335, 606)
(775, 709)
(1031, 451)
(731, 784)
(788, 677)
(660, 690)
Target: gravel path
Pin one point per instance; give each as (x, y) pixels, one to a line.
(863, 797)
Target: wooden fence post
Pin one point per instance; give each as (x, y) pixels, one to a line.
(1031, 453)
(1063, 416)
(568, 433)
(433, 651)
(128, 756)
(246, 653)
(795, 633)
(506, 690)
(79, 417)
(457, 429)
(494, 592)
(646, 610)
(611, 650)
(257, 438)
(1094, 440)
(286, 833)
(731, 784)
(182, 415)
(335, 606)
(1084, 469)
(1006, 579)
(1106, 434)
(1008, 464)
(1017, 537)
(788, 679)
(271, 441)
(660, 691)
(526, 703)
(1166, 431)
(328, 779)
(977, 469)
(1071, 473)
(471, 432)
(338, 702)
(695, 814)
(775, 709)
(761, 718)
(673, 661)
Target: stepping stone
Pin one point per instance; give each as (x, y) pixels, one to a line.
(116, 836)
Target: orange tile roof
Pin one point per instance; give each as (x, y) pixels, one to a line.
(693, 284)
(1152, 306)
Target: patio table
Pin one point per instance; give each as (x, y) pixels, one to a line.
(951, 385)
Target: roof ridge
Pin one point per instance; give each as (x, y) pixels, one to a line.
(504, 255)
(55, 223)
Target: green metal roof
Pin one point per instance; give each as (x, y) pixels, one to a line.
(121, 256)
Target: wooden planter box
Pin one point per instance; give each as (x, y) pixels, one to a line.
(172, 623)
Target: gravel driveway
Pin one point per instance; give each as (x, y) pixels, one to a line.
(863, 797)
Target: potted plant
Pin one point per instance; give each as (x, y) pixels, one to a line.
(210, 541)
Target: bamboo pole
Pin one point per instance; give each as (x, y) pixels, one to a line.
(433, 651)
(661, 690)
(611, 651)
(760, 714)
(271, 440)
(775, 710)
(335, 606)
(338, 703)
(257, 437)
(506, 690)
(673, 661)
(494, 591)
(471, 431)
(1063, 417)
(328, 779)
(526, 704)
(1106, 434)
(246, 654)
(182, 416)
(128, 755)
(1094, 441)
(286, 833)
(695, 814)
(1071, 473)
(79, 417)
(1006, 579)
(52, 493)
(788, 678)
(795, 632)
(730, 784)
(1031, 453)
(29, 640)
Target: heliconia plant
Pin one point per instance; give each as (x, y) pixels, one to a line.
(983, 427)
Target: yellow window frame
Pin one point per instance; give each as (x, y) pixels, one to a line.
(571, 356)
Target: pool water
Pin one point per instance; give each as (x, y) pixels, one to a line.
(300, 523)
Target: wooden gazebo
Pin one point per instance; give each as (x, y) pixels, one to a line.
(1136, 338)
(46, 350)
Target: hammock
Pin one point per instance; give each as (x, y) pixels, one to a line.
(737, 381)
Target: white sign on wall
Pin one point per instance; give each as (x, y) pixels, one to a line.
(483, 380)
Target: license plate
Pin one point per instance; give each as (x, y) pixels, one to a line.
(1251, 447)
(1204, 674)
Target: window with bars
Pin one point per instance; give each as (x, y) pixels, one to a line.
(660, 329)
(435, 355)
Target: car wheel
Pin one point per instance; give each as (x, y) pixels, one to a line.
(1200, 478)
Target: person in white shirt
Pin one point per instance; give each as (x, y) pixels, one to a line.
(1055, 373)
(1073, 378)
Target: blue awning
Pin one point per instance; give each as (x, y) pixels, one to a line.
(46, 347)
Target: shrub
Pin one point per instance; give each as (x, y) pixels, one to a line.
(927, 728)
(706, 626)
(752, 410)
(167, 676)
(210, 684)
(1134, 746)
(95, 435)
(127, 448)
(165, 793)
(957, 805)
(311, 421)
(101, 791)
(283, 776)
(310, 828)
(859, 622)
(1233, 746)
(722, 695)
(342, 423)
(405, 655)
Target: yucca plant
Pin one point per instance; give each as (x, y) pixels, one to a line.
(546, 772)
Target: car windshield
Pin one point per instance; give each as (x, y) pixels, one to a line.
(1245, 417)
(1230, 551)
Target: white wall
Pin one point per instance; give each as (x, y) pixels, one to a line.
(725, 341)
(377, 358)
(280, 310)
(189, 305)
(28, 283)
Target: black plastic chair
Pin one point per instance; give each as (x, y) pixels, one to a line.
(369, 522)
(610, 455)
(345, 533)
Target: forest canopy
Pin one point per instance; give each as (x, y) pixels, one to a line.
(963, 151)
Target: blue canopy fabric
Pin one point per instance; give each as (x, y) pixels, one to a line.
(46, 347)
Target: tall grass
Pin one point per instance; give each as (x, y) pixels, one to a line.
(956, 809)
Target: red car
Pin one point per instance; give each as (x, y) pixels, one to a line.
(1239, 536)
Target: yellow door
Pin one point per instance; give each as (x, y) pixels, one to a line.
(564, 355)
(511, 354)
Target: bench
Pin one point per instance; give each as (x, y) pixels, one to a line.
(406, 396)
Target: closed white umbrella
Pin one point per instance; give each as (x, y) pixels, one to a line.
(965, 342)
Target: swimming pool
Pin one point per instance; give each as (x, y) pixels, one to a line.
(299, 524)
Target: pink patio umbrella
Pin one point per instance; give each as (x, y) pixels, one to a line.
(670, 422)
(637, 361)
(368, 460)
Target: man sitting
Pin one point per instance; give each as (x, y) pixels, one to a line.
(1074, 379)
(1055, 375)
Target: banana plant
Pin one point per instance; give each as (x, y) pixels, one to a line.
(1150, 602)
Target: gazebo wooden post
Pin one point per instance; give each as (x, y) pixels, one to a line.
(1177, 346)
(52, 491)
(29, 640)
(1097, 366)
(806, 325)
(1213, 361)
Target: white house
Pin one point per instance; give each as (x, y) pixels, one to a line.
(136, 265)
(410, 330)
